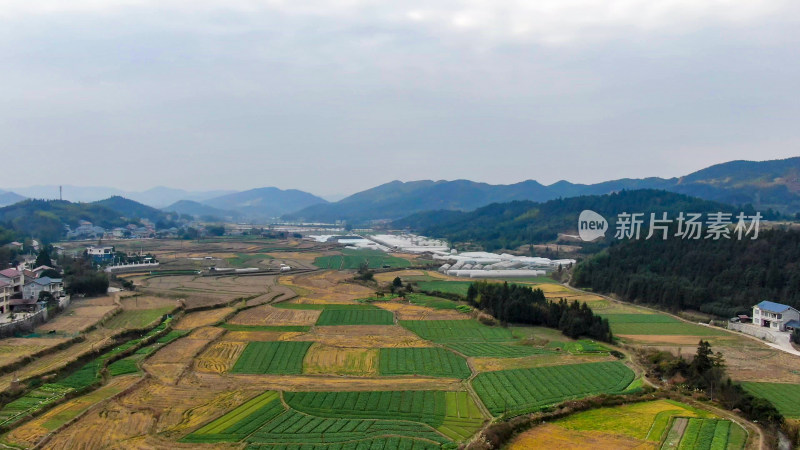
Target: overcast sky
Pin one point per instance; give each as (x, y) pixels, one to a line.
(335, 96)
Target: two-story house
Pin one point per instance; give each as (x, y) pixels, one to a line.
(776, 316)
(36, 286)
(15, 278)
(5, 296)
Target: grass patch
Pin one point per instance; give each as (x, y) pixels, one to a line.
(448, 287)
(433, 302)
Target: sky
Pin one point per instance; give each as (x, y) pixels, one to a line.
(336, 96)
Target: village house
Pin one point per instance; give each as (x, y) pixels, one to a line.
(776, 316)
(14, 278)
(33, 288)
(100, 254)
(5, 296)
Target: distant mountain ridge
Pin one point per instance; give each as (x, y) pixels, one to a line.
(265, 203)
(199, 210)
(763, 184)
(156, 197)
(9, 198)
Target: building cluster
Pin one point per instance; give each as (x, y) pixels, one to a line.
(87, 230)
(20, 288)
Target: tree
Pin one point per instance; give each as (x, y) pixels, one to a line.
(43, 258)
(48, 298)
(397, 282)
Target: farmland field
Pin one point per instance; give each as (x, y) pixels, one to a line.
(243, 420)
(785, 397)
(432, 361)
(137, 318)
(282, 357)
(325, 359)
(520, 390)
(355, 317)
(488, 349)
(353, 259)
(444, 331)
(448, 287)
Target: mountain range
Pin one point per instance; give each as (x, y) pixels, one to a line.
(763, 184)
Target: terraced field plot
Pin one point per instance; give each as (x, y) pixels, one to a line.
(409, 311)
(637, 425)
(353, 259)
(785, 397)
(325, 359)
(448, 287)
(282, 357)
(521, 390)
(489, 349)
(266, 315)
(240, 422)
(220, 356)
(431, 361)
(355, 317)
(705, 434)
(457, 331)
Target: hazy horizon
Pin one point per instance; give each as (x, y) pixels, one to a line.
(336, 97)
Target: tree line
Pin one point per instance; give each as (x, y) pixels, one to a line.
(513, 303)
(723, 277)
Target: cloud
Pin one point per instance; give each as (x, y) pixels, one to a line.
(545, 22)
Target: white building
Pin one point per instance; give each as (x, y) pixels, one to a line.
(776, 316)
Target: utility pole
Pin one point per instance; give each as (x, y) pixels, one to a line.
(60, 193)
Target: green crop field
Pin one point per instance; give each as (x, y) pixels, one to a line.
(31, 402)
(136, 318)
(521, 390)
(431, 361)
(369, 316)
(232, 327)
(785, 397)
(353, 259)
(432, 302)
(457, 331)
(241, 421)
(493, 350)
(453, 413)
(125, 366)
(283, 357)
(386, 443)
(673, 328)
(449, 287)
(708, 434)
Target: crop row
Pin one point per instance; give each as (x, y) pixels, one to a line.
(520, 390)
(241, 421)
(355, 317)
(421, 406)
(293, 426)
(432, 361)
(494, 350)
(282, 357)
(386, 443)
(709, 434)
(457, 331)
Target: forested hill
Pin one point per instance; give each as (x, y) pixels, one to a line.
(510, 225)
(722, 277)
(45, 219)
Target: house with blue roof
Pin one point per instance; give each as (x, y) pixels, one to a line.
(776, 316)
